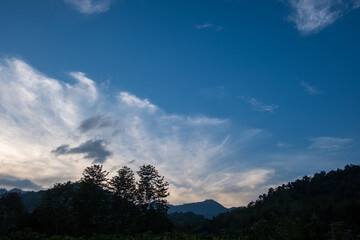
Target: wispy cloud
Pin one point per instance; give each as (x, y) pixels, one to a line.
(226, 186)
(133, 101)
(311, 16)
(356, 4)
(208, 25)
(205, 25)
(283, 145)
(49, 127)
(259, 106)
(197, 154)
(205, 121)
(87, 84)
(90, 6)
(310, 89)
(329, 143)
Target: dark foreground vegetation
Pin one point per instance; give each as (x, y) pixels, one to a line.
(324, 206)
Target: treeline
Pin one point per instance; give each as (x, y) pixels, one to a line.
(94, 204)
(324, 206)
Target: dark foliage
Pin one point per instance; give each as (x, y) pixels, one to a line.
(325, 206)
(13, 214)
(187, 217)
(152, 193)
(93, 205)
(124, 201)
(32, 200)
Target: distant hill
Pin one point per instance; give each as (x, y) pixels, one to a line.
(30, 199)
(208, 208)
(14, 190)
(3, 191)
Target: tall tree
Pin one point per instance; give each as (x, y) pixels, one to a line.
(91, 203)
(123, 187)
(95, 175)
(153, 190)
(152, 187)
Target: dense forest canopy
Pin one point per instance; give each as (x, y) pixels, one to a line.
(322, 206)
(94, 204)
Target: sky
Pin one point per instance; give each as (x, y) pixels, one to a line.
(226, 98)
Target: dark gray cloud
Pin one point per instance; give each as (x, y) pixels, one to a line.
(95, 122)
(93, 149)
(131, 162)
(63, 149)
(14, 182)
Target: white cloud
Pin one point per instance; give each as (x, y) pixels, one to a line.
(284, 145)
(259, 106)
(133, 101)
(356, 4)
(310, 89)
(205, 25)
(39, 114)
(201, 156)
(36, 114)
(329, 143)
(225, 187)
(311, 16)
(90, 6)
(87, 84)
(205, 121)
(208, 25)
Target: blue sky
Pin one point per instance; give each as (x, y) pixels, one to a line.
(226, 98)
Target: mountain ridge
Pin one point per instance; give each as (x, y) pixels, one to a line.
(209, 208)
(31, 199)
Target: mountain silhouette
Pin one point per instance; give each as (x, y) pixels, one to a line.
(208, 208)
(30, 199)
(14, 190)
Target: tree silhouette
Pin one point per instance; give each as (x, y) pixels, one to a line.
(12, 212)
(95, 175)
(153, 190)
(91, 203)
(123, 187)
(54, 215)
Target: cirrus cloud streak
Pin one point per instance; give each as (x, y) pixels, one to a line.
(56, 129)
(311, 16)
